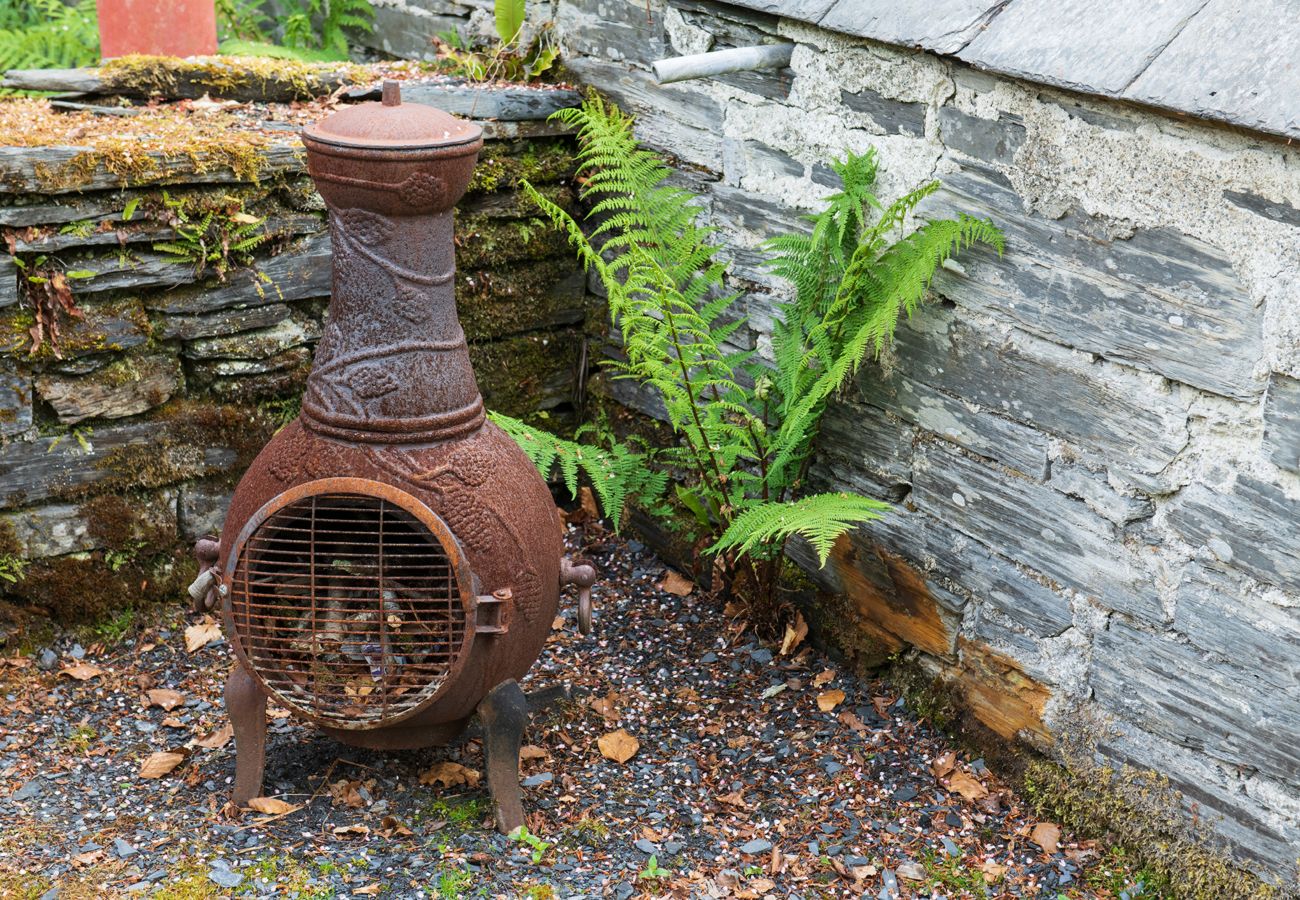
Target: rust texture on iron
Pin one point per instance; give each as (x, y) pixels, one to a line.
(391, 558)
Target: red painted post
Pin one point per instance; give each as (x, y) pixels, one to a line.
(158, 27)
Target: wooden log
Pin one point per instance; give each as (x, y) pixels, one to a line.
(185, 79)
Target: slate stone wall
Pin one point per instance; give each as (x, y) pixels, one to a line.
(1093, 442)
(122, 448)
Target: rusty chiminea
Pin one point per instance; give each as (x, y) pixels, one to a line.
(391, 561)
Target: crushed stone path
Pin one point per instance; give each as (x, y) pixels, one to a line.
(754, 775)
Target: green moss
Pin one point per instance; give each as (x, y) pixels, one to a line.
(457, 814)
(523, 374)
(507, 165)
(103, 328)
(21, 886)
(224, 76)
(1142, 812)
(486, 242)
(509, 300)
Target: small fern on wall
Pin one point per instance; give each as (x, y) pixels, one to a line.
(746, 426)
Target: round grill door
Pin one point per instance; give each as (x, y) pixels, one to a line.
(352, 607)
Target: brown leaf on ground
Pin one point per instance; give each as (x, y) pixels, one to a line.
(89, 858)
(370, 890)
(675, 583)
(882, 705)
(351, 831)
(993, 872)
(201, 634)
(606, 707)
(391, 826)
(1047, 836)
(587, 500)
(159, 764)
(830, 699)
(450, 774)
(795, 632)
(618, 746)
(165, 698)
(826, 676)
(529, 751)
(967, 786)
(218, 738)
(735, 798)
(82, 671)
(271, 806)
(349, 793)
(850, 720)
(944, 763)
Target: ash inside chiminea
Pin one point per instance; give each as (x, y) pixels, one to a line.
(355, 610)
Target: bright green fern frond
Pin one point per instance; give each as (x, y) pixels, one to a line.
(617, 473)
(819, 518)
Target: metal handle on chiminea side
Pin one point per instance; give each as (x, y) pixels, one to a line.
(202, 591)
(584, 576)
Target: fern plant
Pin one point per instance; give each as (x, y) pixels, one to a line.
(216, 236)
(324, 24)
(618, 472)
(39, 34)
(746, 426)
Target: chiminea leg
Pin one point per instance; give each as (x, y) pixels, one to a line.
(504, 713)
(246, 706)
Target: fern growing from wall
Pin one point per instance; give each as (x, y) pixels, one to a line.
(745, 426)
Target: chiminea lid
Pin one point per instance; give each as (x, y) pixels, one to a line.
(393, 125)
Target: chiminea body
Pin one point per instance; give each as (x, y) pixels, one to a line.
(390, 557)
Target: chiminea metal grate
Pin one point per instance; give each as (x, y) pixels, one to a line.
(349, 608)
(391, 562)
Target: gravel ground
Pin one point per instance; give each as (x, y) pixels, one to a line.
(753, 777)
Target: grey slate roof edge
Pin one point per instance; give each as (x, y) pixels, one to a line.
(1036, 40)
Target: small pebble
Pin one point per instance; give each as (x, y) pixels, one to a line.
(756, 846)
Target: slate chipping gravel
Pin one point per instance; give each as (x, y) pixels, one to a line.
(732, 793)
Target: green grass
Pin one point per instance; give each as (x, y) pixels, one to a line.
(455, 884)
(459, 814)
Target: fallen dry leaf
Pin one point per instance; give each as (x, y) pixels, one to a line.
(159, 764)
(606, 707)
(587, 500)
(89, 858)
(350, 830)
(794, 634)
(391, 826)
(529, 751)
(349, 793)
(618, 746)
(674, 582)
(450, 774)
(852, 721)
(218, 738)
(735, 798)
(944, 763)
(200, 635)
(967, 786)
(82, 671)
(370, 890)
(168, 700)
(993, 872)
(823, 677)
(172, 722)
(882, 705)
(830, 699)
(1047, 836)
(271, 806)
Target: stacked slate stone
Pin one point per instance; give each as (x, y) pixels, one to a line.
(1094, 440)
(121, 441)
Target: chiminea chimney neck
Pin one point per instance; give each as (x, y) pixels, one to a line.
(392, 365)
